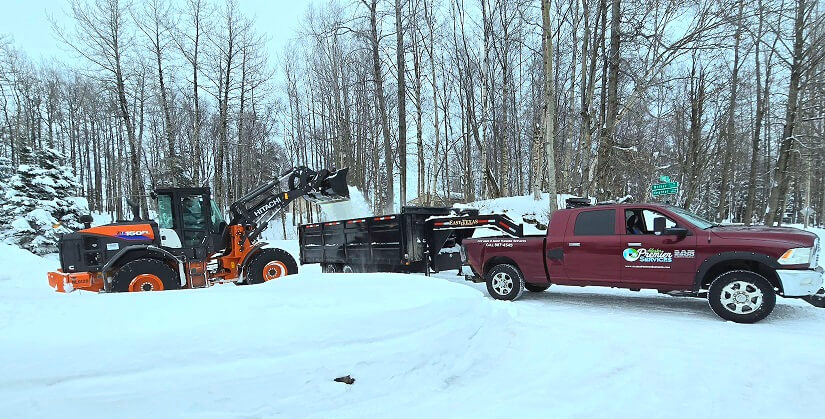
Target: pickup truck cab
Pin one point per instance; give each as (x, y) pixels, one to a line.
(739, 269)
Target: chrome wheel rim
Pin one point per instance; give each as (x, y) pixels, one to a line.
(502, 283)
(741, 297)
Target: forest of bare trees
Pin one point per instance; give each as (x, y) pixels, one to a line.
(447, 100)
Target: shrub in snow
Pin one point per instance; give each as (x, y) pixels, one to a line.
(39, 202)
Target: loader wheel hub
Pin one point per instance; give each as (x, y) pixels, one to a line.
(274, 269)
(146, 282)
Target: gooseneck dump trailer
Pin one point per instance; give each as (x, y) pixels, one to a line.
(418, 239)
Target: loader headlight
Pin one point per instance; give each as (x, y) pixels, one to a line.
(798, 256)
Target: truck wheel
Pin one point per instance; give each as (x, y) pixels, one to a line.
(145, 275)
(329, 268)
(741, 296)
(270, 264)
(347, 269)
(504, 282)
(535, 288)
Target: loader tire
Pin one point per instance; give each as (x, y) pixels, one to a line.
(269, 264)
(145, 275)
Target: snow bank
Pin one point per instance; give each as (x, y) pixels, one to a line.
(522, 209)
(271, 349)
(23, 270)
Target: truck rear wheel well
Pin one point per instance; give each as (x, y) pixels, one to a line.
(737, 265)
(498, 260)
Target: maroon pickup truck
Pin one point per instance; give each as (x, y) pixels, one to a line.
(739, 269)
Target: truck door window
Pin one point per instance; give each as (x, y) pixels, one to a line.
(640, 221)
(595, 223)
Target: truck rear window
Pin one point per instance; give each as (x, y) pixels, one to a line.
(595, 223)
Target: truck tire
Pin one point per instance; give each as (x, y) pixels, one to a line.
(741, 296)
(145, 274)
(329, 268)
(504, 282)
(269, 264)
(535, 288)
(348, 269)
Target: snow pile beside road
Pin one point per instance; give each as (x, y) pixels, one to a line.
(522, 209)
(23, 270)
(271, 349)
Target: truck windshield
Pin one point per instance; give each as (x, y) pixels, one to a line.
(692, 218)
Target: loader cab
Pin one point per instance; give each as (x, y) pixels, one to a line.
(190, 222)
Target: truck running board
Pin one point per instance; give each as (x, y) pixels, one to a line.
(497, 221)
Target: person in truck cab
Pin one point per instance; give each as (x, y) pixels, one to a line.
(740, 270)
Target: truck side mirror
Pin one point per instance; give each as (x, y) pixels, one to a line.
(659, 224)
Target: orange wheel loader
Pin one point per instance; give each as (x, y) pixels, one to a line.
(190, 245)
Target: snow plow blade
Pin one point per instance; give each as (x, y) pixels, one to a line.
(816, 300)
(329, 187)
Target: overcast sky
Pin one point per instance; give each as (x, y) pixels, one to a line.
(28, 23)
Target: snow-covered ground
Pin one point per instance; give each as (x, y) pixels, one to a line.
(416, 346)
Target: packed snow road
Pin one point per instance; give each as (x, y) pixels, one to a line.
(416, 346)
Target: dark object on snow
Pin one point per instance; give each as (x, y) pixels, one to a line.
(345, 379)
(577, 202)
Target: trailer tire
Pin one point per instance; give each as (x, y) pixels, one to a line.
(330, 268)
(504, 282)
(348, 269)
(741, 296)
(535, 288)
(145, 274)
(269, 264)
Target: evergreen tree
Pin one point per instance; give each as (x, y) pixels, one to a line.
(40, 202)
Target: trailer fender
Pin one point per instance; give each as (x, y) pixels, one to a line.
(137, 251)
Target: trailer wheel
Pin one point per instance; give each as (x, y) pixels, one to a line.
(348, 269)
(535, 288)
(145, 275)
(504, 282)
(329, 268)
(270, 264)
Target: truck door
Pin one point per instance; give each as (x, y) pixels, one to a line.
(592, 252)
(656, 258)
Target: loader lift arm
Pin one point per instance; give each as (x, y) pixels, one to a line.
(260, 205)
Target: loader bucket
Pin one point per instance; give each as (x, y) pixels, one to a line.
(329, 187)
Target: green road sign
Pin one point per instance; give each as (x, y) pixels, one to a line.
(669, 188)
(660, 192)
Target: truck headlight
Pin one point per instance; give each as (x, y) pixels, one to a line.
(798, 256)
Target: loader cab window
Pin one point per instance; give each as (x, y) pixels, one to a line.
(640, 221)
(193, 215)
(165, 218)
(218, 222)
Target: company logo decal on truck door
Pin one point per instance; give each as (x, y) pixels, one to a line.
(647, 255)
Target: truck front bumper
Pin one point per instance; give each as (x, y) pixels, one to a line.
(800, 282)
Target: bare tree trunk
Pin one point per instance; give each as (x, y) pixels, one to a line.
(402, 101)
(730, 128)
(776, 207)
(549, 104)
